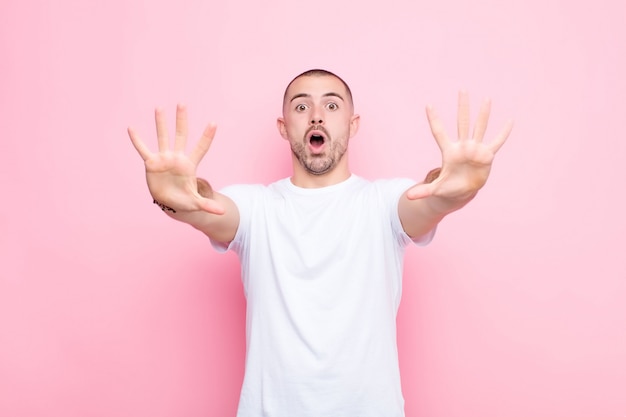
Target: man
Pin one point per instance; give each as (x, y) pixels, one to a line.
(321, 251)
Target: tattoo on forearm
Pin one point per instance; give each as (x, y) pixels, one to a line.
(204, 189)
(163, 206)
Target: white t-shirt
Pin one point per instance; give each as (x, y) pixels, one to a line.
(322, 274)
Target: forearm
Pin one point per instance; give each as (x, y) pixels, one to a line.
(418, 217)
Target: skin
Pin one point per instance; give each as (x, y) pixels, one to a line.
(321, 105)
(465, 167)
(318, 104)
(172, 180)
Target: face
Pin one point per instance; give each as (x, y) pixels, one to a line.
(318, 121)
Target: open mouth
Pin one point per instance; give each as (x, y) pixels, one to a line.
(316, 140)
(316, 137)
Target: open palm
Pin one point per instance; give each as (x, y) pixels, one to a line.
(170, 173)
(466, 162)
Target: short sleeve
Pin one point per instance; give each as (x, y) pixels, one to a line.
(244, 196)
(393, 191)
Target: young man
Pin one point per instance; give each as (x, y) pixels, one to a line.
(321, 251)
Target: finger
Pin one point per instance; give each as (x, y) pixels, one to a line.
(481, 123)
(436, 127)
(143, 150)
(463, 115)
(203, 144)
(181, 128)
(420, 191)
(502, 137)
(161, 127)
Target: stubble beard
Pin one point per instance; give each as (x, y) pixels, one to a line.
(322, 163)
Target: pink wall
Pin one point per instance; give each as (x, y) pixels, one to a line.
(107, 308)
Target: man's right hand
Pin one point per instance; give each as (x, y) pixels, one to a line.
(170, 173)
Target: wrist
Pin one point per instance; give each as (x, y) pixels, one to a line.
(446, 205)
(163, 206)
(203, 187)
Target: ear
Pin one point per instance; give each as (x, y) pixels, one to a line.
(354, 124)
(282, 128)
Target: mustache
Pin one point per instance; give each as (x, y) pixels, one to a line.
(319, 128)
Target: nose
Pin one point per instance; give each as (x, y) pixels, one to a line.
(316, 117)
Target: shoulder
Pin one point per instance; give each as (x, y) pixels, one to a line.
(387, 183)
(391, 188)
(245, 194)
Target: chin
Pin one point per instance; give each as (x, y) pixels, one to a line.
(319, 171)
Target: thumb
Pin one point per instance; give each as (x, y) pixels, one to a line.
(211, 206)
(420, 191)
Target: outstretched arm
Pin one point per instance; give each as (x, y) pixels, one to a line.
(466, 164)
(172, 181)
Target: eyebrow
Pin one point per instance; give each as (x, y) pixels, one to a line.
(331, 94)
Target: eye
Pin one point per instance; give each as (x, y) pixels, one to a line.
(301, 107)
(332, 106)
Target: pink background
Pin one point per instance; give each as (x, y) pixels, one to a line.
(107, 308)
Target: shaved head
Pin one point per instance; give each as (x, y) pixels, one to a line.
(318, 73)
